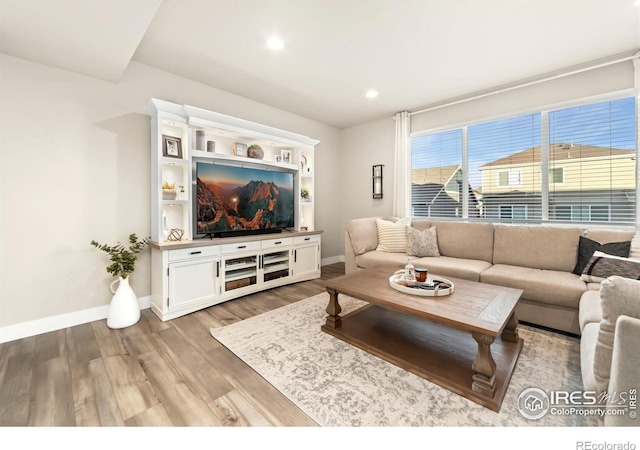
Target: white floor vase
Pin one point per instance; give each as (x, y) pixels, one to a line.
(124, 310)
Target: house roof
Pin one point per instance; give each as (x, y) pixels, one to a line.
(558, 152)
(433, 175)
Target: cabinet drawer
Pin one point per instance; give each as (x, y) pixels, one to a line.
(306, 239)
(194, 252)
(240, 247)
(275, 243)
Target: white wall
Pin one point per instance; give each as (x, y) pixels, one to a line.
(75, 166)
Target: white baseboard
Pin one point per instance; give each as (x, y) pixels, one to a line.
(332, 260)
(59, 322)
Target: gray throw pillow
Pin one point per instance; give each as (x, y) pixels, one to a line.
(422, 243)
(601, 266)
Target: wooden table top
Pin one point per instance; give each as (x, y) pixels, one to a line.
(473, 306)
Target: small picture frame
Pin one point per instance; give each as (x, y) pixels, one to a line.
(286, 156)
(278, 158)
(239, 149)
(171, 146)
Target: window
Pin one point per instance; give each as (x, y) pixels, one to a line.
(436, 175)
(509, 178)
(556, 175)
(503, 165)
(568, 165)
(513, 212)
(582, 213)
(595, 144)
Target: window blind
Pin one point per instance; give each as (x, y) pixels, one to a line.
(573, 165)
(593, 147)
(504, 164)
(436, 175)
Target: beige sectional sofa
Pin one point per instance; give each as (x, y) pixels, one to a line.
(539, 260)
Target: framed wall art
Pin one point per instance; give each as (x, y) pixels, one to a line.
(171, 146)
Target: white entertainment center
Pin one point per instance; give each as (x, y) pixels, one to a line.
(199, 271)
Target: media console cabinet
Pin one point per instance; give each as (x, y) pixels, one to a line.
(197, 272)
(189, 276)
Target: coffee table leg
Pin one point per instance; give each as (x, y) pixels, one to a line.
(484, 367)
(333, 309)
(510, 332)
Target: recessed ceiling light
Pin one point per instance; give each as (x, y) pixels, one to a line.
(275, 43)
(371, 93)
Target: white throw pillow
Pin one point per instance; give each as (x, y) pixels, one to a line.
(392, 237)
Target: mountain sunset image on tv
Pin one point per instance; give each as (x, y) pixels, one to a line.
(242, 200)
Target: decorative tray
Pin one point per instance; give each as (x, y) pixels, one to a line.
(435, 286)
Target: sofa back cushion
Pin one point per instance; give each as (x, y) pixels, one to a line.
(607, 236)
(421, 224)
(363, 234)
(465, 240)
(550, 248)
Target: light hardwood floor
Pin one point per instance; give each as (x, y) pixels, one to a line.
(151, 374)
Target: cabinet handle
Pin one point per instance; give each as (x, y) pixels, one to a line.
(279, 242)
(242, 246)
(307, 239)
(295, 256)
(217, 269)
(195, 253)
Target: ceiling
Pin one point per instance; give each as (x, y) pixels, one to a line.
(413, 52)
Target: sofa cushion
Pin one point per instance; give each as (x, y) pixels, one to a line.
(363, 234)
(392, 237)
(601, 266)
(468, 269)
(544, 286)
(550, 248)
(420, 224)
(394, 261)
(620, 296)
(588, 341)
(590, 309)
(465, 240)
(422, 243)
(587, 247)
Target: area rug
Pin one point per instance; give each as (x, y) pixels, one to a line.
(337, 384)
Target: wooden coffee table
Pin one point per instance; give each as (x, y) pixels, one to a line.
(466, 342)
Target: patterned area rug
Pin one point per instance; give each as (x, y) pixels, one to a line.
(337, 384)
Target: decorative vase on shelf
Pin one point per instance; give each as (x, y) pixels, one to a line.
(169, 194)
(124, 310)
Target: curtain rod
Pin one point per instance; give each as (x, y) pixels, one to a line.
(530, 83)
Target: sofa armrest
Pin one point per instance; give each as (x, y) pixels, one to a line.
(625, 367)
(349, 255)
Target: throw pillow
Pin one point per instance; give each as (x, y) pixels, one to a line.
(618, 297)
(601, 266)
(587, 247)
(422, 243)
(392, 237)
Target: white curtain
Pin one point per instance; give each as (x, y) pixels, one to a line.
(402, 166)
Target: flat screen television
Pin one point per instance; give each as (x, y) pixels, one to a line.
(238, 200)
